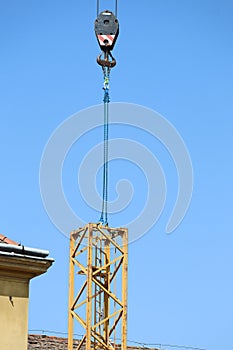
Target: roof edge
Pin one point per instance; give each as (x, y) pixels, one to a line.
(6, 240)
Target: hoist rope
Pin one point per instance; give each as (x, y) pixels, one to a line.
(98, 7)
(116, 8)
(104, 213)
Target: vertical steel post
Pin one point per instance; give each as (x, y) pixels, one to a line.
(71, 296)
(124, 289)
(89, 288)
(106, 296)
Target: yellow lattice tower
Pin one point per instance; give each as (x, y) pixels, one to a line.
(99, 256)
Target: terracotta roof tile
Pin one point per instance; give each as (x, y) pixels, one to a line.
(44, 342)
(4, 239)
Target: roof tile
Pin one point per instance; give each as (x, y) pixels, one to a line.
(4, 239)
(44, 342)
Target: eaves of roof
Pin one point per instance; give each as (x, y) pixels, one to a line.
(18, 260)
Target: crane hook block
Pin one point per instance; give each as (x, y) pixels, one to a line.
(106, 30)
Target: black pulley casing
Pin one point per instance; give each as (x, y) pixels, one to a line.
(106, 30)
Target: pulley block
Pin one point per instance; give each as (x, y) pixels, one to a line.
(106, 30)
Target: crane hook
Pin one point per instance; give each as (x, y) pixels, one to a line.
(107, 31)
(105, 62)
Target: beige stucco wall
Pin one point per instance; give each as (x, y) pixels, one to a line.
(13, 313)
(15, 273)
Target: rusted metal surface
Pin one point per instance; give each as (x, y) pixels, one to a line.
(105, 61)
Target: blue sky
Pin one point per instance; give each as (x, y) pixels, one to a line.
(174, 57)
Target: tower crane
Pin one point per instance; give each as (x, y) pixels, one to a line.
(99, 253)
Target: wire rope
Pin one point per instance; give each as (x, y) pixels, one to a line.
(104, 213)
(116, 8)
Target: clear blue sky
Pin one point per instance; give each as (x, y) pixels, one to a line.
(174, 57)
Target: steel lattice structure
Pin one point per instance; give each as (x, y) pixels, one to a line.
(98, 255)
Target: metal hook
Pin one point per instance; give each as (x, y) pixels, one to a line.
(105, 62)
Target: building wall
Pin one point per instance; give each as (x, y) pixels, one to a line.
(13, 313)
